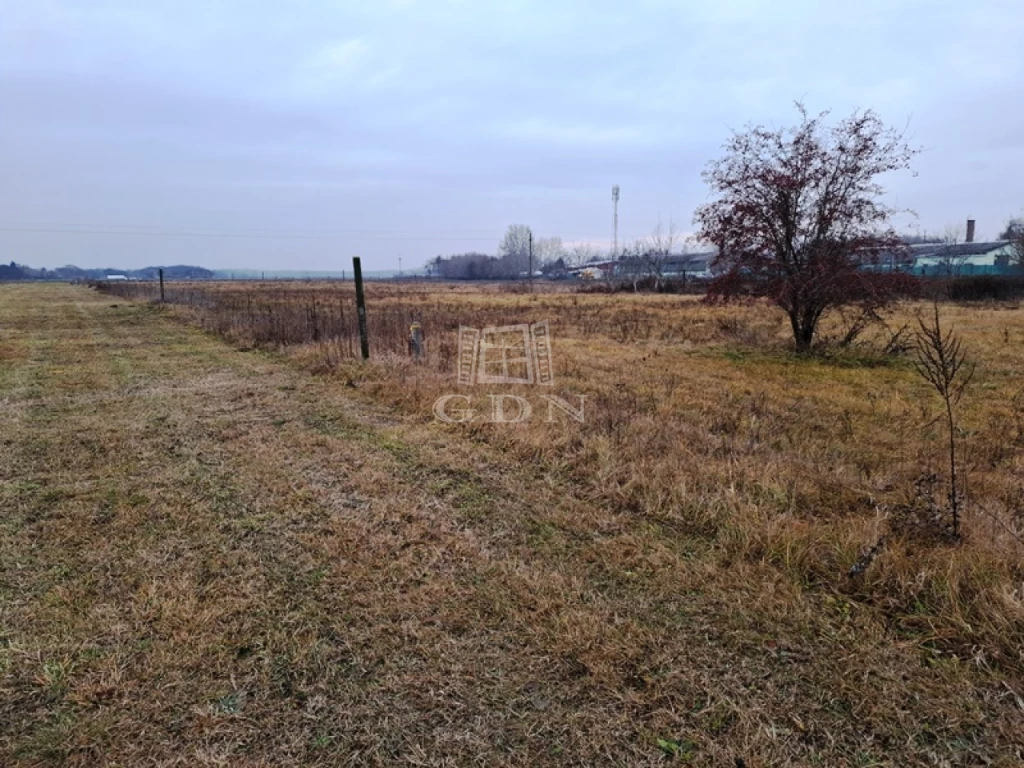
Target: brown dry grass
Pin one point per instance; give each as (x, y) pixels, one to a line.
(213, 558)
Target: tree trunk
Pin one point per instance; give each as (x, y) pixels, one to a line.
(803, 330)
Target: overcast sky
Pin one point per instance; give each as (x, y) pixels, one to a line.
(397, 127)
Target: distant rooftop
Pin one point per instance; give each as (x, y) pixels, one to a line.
(968, 249)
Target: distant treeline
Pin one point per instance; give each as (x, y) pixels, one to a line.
(517, 252)
(481, 266)
(975, 288)
(15, 271)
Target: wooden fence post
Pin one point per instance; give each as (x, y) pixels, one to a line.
(364, 339)
(161, 271)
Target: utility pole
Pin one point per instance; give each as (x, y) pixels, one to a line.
(399, 265)
(531, 261)
(615, 204)
(161, 271)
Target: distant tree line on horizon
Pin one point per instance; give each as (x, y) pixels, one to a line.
(512, 261)
(14, 271)
(644, 258)
(551, 257)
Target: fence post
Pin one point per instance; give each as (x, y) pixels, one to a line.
(531, 261)
(416, 341)
(161, 271)
(364, 339)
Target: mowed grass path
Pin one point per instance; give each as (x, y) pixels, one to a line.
(209, 557)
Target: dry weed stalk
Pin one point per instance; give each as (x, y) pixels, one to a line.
(941, 361)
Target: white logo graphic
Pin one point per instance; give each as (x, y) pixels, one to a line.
(507, 354)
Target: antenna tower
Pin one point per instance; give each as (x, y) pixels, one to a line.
(615, 204)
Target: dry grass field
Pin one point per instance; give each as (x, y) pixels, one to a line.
(226, 542)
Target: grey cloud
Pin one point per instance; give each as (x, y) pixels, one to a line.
(427, 127)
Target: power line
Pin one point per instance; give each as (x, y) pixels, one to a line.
(237, 235)
(132, 227)
(150, 230)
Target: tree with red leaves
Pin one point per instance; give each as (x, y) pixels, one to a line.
(798, 217)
